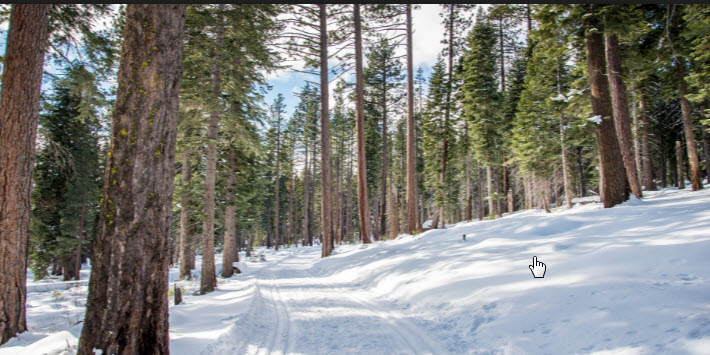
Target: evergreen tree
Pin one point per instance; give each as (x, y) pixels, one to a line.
(67, 176)
(482, 101)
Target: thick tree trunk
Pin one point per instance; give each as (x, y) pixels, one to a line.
(620, 106)
(326, 178)
(230, 212)
(646, 147)
(208, 277)
(127, 306)
(363, 212)
(614, 188)
(19, 109)
(411, 135)
(695, 176)
(187, 242)
(680, 179)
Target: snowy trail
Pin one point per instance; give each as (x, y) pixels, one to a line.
(309, 314)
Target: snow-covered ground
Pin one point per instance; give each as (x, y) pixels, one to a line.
(631, 279)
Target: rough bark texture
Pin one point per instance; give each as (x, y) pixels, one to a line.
(411, 134)
(127, 306)
(613, 185)
(622, 121)
(187, 247)
(646, 148)
(363, 212)
(19, 108)
(230, 211)
(208, 278)
(326, 178)
(679, 165)
(695, 176)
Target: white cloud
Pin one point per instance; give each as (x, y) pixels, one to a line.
(428, 33)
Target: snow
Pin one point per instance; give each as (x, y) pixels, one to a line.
(559, 97)
(596, 119)
(627, 280)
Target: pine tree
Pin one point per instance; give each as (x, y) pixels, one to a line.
(481, 100)
(66, 175)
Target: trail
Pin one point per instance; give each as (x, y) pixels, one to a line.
(298, 311)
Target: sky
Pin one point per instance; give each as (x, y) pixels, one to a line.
(428, 33)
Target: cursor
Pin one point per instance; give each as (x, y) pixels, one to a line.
(538, 268)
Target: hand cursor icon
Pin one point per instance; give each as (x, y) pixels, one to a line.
(537, 268)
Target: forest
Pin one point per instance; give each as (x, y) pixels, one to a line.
(147, 142)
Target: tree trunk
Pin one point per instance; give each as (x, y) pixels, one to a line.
(411, 133)
(326, 178)
(614, 188)
(481, 206)
(187, 242)
(19, 108)
(127, 306)
(620, 106)
(563, 146)
(230, 212)
(277, 185)
(491, 203)
(468, 214)
(383, 181)
(679, 165)
(394, 227)
(306, 191)
(363, 212)
(208, 278)
(646, 147)
(695, 176)
(82, 225)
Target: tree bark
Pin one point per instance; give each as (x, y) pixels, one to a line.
(208, 278)
(563, 146)
(187, 242)
(326, 178)
(679, 165)
(306, 189)
(230, 211)
(489, 177)
(19, 109)
(277, 185)
(82, 225)
(127, 306)
(614, 188)
(620, 106)
(363, 212)
(468, 214)
(383, 181)
(646, 147)
(695, 176)
(411, 135)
